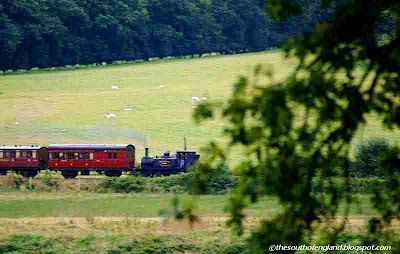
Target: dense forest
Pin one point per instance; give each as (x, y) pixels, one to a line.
(45, 33)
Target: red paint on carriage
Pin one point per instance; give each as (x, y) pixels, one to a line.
(91, 157)
(23, 157)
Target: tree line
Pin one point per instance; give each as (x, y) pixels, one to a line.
(46, 33)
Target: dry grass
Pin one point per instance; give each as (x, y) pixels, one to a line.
(116, 224)
(159, 225)
(13, 181)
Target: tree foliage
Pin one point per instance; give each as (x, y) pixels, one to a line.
(298, 131)
(46, 33)
(367, 158)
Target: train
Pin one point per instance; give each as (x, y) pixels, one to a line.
(108, 159)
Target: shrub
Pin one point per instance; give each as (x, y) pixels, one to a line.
(357, 185)
(223, 182)
(123, 185)
(50, 182)
(17, 181)
(178, 183)
(219, 181)
(367, 157)
(24, 243)
(154, 59)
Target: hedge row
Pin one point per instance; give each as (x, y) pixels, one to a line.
(118, 62)
(179, 183)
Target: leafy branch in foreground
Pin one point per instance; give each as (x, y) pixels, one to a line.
(297, 131)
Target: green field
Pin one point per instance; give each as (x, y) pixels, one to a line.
(17, 204)
(70, 106)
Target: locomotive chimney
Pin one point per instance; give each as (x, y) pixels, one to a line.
(184, 142)
(146, 152)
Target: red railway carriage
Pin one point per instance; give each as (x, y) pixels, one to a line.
(110, 159)
(26, 160)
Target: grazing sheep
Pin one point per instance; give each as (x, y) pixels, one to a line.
(128, 109)
(111, 116)
(115, 88)
(204, 99)
(195, 99)
(161, 87)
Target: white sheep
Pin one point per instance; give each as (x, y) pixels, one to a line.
(111, 116)
(115, 88)
(161, 87)
(195, 99)
(204, 99)
(128, 109)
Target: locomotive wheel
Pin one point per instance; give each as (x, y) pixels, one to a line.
(69, 175)
(30, 173)
(113, 173)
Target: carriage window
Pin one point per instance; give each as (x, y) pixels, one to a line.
(12, 154)
(114, 155)
(91, 156)
(57, 155)
(81, 156)
(29, 154)
(1, 154)
(24, 154)
(17, 154)
(86, 156)
(110, 155)
(7, 155)
(76, 156)
(51, 156)
(62, 157)
(34, 154)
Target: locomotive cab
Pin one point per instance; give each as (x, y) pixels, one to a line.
(186, 158)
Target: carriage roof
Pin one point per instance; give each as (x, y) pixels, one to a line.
(89, 146)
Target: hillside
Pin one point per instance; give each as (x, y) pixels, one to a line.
(70, 106)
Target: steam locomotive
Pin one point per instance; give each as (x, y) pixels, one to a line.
(71, 159)
(166, 164)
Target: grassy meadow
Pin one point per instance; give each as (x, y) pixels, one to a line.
(70, 106)
(42, 204)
